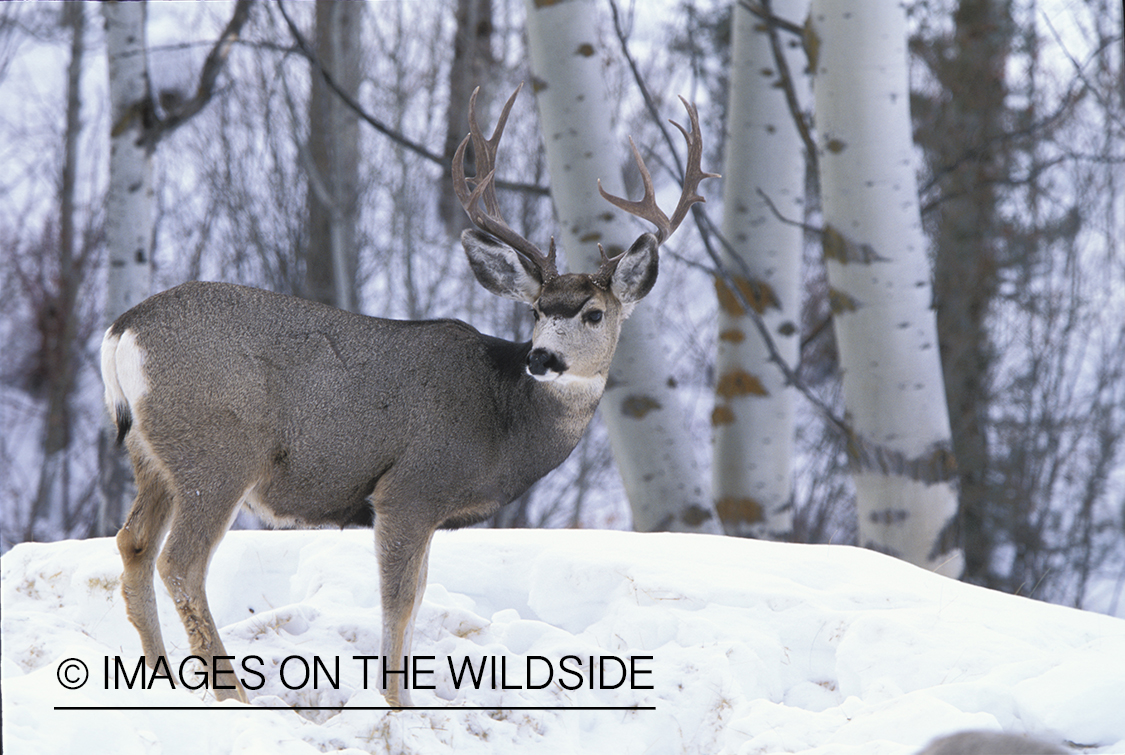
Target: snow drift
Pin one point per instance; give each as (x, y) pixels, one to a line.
(737, 647)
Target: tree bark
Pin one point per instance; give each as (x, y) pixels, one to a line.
(646, 423)
(58, 322)
(753, 418)
(129, 201)
(333, 169)
(472, 62)
(875, 253)
(969, 161)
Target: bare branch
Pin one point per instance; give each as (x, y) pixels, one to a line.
(307, 51)
(786, 79)
(764, 13)
(212, 67)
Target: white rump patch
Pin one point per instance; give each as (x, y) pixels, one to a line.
(122, 370)
(113, 394)
(130, 359)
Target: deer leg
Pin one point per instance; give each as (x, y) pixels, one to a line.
(403, 549)
(196, 530)
(419, 592)
(138, 542)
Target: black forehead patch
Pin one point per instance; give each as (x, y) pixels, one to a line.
(566, 295)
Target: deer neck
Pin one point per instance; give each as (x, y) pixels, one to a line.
(576, 399)
(548, 416)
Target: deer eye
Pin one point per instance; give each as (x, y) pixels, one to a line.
(593, 317)
(535, 314)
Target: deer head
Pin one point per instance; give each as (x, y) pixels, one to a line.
(578, 316)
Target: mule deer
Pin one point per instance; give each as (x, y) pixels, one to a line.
(315, 416)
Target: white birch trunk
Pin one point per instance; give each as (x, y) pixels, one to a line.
(753, 419)
(646, 424)
(129, 200)
(875, 253)
(129, 217)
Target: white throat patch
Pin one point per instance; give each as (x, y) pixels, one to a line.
(567, 382)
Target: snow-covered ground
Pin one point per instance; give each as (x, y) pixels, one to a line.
(739, 646)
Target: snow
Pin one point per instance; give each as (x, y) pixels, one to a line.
(751, 647)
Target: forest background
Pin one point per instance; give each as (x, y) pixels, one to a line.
(266, 172)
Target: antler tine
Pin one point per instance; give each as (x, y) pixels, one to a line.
(646, 207)
(484, 150)
(490, 219)
(608, 265)
(694, 173)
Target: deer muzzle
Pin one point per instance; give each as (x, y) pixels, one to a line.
(545, 365)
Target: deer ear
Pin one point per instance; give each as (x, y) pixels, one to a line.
(635, 274)
(501, 269)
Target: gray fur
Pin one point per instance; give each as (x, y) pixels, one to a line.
(314, 416)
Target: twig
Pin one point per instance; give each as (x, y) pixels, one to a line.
(765, 14)
(773, 23)
(650, 104)
(1078, 68)
(306, 50)
(789, 221)
(212, 67)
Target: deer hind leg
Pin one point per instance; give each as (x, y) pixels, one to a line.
(403, 548)
(420, 591)
(200, 520)
(138, 542)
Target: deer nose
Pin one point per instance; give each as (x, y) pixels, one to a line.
(540, 361)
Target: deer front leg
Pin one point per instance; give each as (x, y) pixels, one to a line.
(403, 549)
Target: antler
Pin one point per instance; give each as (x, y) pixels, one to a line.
(646, 207)
(489, 219)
